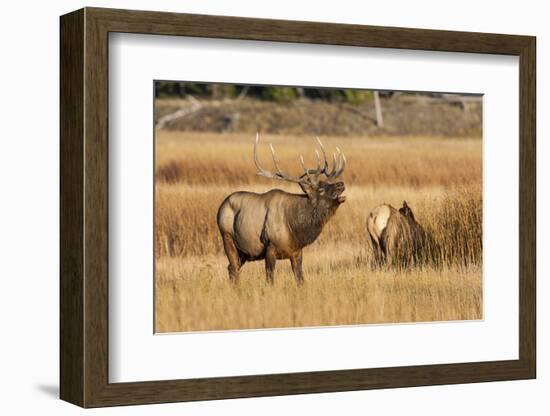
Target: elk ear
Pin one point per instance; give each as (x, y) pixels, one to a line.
(407, 211)
(308, 189)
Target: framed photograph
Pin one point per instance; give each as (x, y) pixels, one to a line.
(256, 207)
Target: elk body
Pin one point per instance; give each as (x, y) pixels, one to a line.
(277, 225)
(397, 238)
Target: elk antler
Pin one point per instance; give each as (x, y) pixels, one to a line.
(279, 174)
(337, 167)
(310, 175)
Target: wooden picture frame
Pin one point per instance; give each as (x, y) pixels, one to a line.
(84, 207)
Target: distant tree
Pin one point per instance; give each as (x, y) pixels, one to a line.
(279, 94)
(357, 97)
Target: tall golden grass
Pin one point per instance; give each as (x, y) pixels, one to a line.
(439, 178)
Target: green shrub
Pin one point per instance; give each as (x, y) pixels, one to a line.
(279, 94)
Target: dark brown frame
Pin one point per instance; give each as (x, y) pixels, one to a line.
(84, 207)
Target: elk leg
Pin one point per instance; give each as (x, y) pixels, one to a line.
(296, 263)
(378, 255)
(270, 259)
(383, 251)
(233, 256)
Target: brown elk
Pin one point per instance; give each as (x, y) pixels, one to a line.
(277, 225)
(397, 238)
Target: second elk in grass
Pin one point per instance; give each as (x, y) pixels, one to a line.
(398, 240)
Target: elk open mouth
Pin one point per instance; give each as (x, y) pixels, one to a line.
(340, 188)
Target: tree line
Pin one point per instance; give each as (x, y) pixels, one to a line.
(279, 94)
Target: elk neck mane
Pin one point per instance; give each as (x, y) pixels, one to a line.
(307, 218)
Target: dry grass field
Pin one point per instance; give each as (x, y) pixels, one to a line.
(439, 178)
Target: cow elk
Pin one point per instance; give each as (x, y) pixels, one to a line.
(278, 225)
(398, 239)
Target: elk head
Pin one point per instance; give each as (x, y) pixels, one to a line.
(319, 190)
(407, 211)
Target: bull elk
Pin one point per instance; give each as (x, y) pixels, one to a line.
(397, 238)
(277, 225)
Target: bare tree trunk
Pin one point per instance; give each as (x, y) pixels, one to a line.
(378, 109)
(215, 92)
(195, 106)
(243, 93)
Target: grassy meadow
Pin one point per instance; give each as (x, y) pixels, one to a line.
(441, 179)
